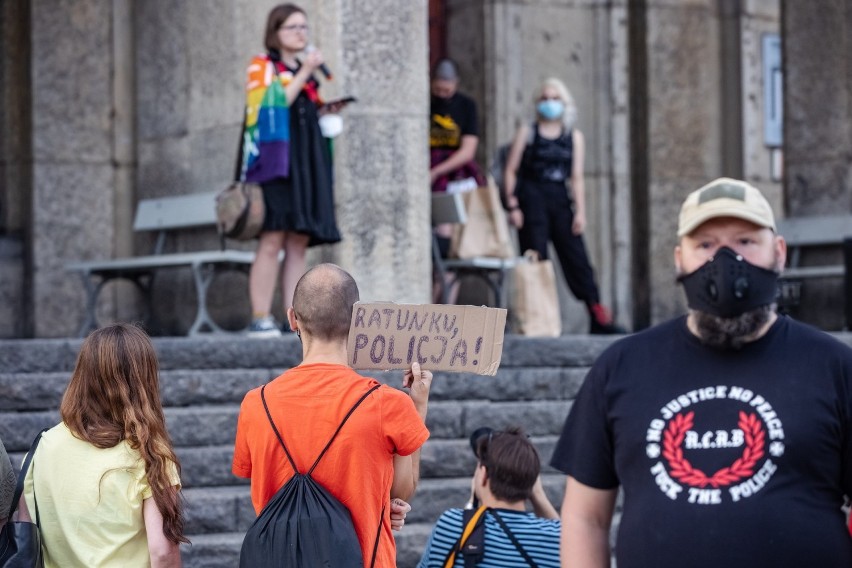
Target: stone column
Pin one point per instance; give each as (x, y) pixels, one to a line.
(378, 51)
(73, 175)
(15, 172)
(817, 107)
(191, 59)
(681, 145)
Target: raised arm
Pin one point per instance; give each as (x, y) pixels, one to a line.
(586, 519)
(406, 469)
(542, 506)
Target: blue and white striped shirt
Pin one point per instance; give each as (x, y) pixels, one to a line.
(539, 538)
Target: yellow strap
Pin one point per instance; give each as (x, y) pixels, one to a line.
(468, 529)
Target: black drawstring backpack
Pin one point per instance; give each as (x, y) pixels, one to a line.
(304, 525)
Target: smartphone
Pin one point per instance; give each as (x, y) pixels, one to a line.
(344, 100)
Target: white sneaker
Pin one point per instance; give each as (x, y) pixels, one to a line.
(263, 327)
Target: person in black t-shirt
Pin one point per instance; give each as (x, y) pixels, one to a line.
(545, 195)
(453, 139)
(453, 133)
(729, 429)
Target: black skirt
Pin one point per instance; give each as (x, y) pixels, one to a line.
(304, 202)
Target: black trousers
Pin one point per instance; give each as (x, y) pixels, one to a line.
(548, 216)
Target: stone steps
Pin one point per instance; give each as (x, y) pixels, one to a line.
(203, 381)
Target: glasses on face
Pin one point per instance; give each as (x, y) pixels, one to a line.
(546, 98)
(295, 28)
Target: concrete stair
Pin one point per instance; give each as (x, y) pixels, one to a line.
(203, 381)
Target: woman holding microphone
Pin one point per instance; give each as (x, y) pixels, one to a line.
(293, 165)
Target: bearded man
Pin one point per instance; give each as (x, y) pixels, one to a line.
(729, 429)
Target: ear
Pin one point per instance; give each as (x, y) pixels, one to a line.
(780, 253)
(483, 475)
(677, 259)
(291, 319)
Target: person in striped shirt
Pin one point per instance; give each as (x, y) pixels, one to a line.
(506, 476)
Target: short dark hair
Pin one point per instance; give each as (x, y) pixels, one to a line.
(511, 462)
(323, 301)
(277, 16)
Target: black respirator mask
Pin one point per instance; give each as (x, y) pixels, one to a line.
(727, 286)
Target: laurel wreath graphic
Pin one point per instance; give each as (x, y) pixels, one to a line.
(681, 469)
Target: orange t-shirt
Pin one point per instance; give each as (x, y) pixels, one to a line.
(308, 403)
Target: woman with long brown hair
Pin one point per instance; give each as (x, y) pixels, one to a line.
(286, 151)
(104, 483)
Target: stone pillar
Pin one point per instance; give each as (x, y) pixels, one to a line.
(817, 107)
(378, 51)
(818, 135)
(190, 61)
(73, 175)
(15, 172)
(505, 48)
(681, 150)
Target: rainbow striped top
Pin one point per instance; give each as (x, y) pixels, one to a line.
(266, 136)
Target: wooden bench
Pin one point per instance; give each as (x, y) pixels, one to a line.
(165, 215)
(821, 231)
(450, 208)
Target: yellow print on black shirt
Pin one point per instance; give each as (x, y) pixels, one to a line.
(444, 132)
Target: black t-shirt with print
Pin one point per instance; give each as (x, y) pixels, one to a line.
(726, 458)
(450, 119)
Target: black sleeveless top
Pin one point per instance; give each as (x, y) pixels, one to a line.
(547, 160)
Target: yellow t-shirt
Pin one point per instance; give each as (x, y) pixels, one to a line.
(89, 502)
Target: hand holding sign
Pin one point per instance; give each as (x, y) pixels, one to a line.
(437, 337)
(419, 381)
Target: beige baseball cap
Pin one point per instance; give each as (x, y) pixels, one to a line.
(724, 197)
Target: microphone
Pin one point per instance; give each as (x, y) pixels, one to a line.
(323, 68)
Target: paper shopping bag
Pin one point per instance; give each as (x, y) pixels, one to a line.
(535, 304)
(486, 232)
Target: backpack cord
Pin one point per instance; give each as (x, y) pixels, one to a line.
(19, 486)
(322, 453)
(530, 561)
(378, 534)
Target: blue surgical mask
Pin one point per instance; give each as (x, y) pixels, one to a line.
(550, 109)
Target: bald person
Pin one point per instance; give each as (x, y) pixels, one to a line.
(375, 457)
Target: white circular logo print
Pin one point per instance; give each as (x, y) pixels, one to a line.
(714, 445)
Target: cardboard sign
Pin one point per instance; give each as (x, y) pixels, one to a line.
(440, 337)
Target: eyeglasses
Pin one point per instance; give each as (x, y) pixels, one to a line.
(295, 28)
(543, 98)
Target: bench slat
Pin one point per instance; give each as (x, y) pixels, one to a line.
(813, 272)
(814, 231)
(163, 260)
(178, 212)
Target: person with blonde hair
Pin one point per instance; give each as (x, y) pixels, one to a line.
(104, 484)
(545, 194)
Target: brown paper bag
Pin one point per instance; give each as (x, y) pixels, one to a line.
(535, 304)
(486, 232)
